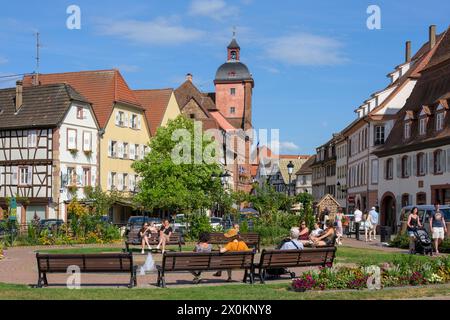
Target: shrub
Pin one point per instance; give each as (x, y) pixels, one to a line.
(198, 223)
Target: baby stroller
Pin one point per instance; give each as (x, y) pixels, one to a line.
(423, 242)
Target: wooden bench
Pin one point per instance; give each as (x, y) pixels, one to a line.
(214, 261)
(252, 239)
(133, 239)
(270, 259)
(87, 263)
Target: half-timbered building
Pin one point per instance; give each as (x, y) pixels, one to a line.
(43, 131)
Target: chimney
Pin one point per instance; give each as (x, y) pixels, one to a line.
(189, 77)
(19, 95)
(408, 51)
(432, 36)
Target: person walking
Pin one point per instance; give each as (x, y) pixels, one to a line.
(438, 228)
(339, 227)
(358, 218)
(374, 216)
(412, 224)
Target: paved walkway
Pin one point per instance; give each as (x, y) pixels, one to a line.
(19, 267)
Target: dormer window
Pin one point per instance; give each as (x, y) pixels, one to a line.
(422, 126)
(423, 120)
(407, 133)
(440, 116)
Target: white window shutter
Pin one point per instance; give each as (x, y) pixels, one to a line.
(131, 177)
(125, 119)
(139, 122)
(410, 173)
(443, 160)
(142, 152)
(119, 149)
(414, 166)
(117, 118)
(87, 140)
(109, 182)
(138, 147)
(2, 178)
(14, 176)
(93, 176)
(30, 175)
(110, 148)
(120, 182)
(448, 160)
(431, 163)
(399, 167)
(132, 151)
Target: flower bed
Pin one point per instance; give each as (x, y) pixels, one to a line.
(405, 271)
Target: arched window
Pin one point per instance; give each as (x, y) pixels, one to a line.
(389, 170)
(233, 55)
(405, 167)
(421, 164)
(405, 200)
(439, 159)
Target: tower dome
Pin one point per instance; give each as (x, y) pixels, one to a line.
(233, 69)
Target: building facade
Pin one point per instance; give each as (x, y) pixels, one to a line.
(48, 149)
(415, 160)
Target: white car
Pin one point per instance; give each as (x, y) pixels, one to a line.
(216, 222)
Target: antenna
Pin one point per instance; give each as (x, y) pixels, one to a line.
(38, 58)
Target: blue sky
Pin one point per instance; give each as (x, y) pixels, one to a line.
(313, 62)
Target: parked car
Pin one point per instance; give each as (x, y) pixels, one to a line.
(216, 222)
(136, 222)
(179, 223)
(425, 212)
(50, 223)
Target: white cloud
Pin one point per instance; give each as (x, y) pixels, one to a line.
(306, 49)
(289, 146)
(160, 31)
(283, 146)
(215, 9)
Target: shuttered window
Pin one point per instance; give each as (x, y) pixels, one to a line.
(71, 139)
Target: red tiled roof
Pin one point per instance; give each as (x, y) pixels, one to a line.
(102, 87)
(155, 103)
(223, 123)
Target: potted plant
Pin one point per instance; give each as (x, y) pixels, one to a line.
(73, 152)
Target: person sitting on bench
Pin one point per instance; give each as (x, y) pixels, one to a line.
(328, 238)
(145, 233)
(203, 246)
(235, 245)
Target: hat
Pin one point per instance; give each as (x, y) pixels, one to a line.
(373, 208)
(231, 233)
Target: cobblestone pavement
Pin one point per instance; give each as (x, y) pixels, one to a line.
(19, 267)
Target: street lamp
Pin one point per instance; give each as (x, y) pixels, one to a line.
(290, 168)
(225, 178)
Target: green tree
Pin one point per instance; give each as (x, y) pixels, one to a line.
(183, 187)
(101, 201)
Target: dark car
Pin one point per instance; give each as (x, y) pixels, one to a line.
(136, 222)
(50, 223)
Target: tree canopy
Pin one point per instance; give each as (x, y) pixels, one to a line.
(183, 187)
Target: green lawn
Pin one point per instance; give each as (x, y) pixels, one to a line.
(227, 292)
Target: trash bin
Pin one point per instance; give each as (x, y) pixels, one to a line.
(385, 233)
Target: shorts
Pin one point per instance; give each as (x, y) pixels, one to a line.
(368, 225)
(438, 233)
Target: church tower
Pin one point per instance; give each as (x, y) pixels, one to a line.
(234, 88)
